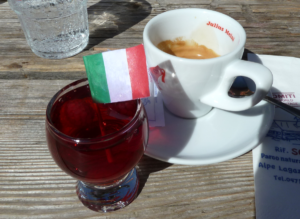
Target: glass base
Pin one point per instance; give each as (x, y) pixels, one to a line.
(61, 55)
(109, 198)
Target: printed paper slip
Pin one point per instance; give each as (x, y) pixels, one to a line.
(155, 110)
(276, 162)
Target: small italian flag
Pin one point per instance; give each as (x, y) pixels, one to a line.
(118, 75)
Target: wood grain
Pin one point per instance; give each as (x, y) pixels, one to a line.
(31, 184)
(271, 26)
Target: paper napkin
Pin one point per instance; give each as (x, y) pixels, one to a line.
(276, 161)
(155, 110)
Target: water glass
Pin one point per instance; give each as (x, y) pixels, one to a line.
(54, 29)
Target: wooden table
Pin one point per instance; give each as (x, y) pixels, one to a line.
(31, 184)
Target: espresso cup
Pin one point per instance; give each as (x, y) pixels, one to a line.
(192, 87)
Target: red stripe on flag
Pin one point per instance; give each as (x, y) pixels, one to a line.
(138, 71)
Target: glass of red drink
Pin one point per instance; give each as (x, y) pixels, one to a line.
(98, 144)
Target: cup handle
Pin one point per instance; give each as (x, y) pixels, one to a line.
(261, 76)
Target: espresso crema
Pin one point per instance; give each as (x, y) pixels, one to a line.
(186, 49)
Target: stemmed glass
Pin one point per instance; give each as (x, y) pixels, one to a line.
(98, 144)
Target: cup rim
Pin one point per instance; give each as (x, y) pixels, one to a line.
(105, 138)
(193, 61)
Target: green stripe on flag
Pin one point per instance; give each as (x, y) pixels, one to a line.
(96, 74)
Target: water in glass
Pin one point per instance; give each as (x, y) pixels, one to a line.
(54, 29)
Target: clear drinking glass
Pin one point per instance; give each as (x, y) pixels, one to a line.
(98, 144)
(54, 29)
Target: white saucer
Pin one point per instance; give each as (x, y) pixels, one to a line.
(216, 137)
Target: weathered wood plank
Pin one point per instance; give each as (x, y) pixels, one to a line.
(24, 98)
(31, 184)
(112, 26)
(44, 191)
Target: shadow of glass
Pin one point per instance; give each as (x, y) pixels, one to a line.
(110, 18)
(245, 56)
(146, 166)
(171, 139)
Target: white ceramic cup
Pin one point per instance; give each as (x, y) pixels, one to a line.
(191, 87)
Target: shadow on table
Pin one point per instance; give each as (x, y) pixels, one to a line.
(254, 57)
(149, 165)
(146, 166)
(110, 18)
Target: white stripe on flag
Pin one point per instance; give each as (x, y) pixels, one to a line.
(117, 74)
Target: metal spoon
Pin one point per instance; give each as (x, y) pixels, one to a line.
(240, 89)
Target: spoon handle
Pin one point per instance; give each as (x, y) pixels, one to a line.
(283, 106)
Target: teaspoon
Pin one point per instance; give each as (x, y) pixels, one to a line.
(240, 89)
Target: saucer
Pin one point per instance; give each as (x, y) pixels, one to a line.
(218, 136)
